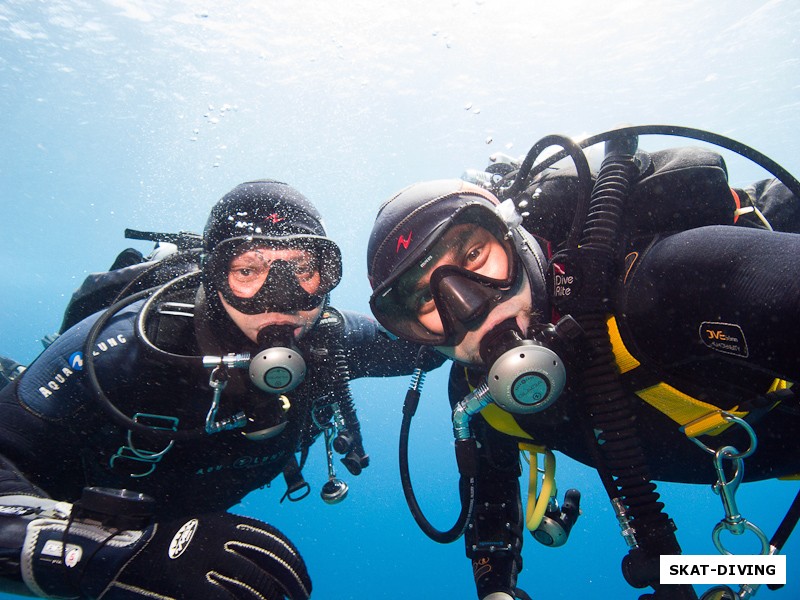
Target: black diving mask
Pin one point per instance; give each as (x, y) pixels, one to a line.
(298, 279)
(452, 278)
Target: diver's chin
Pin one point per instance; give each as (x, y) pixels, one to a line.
(462, 356)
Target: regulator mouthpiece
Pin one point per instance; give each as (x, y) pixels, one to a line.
(557, 522)
(279, 367)
(334, 491)
(524, 375)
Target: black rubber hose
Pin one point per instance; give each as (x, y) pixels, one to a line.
(104, 402)
(784, 531)
(739, 148)
(356, 458)
(467, 489)
(581, 167)
(608, 406)
(178, 283)
(787, 525)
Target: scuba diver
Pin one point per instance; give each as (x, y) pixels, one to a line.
(640, 318)
(125, 442)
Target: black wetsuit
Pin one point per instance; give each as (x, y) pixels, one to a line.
(710, 313)
(61, 440)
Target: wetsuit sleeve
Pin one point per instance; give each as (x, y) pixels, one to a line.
(372, 352)
(493, 539)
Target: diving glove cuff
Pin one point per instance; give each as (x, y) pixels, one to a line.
(66, 558)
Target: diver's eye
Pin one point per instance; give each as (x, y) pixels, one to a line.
(245, 274)
(304, 271)
(475, 257)
(423, 302)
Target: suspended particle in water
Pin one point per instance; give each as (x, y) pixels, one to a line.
(489, 140)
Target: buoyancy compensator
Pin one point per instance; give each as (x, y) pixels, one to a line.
(276, 368)
(629, 198)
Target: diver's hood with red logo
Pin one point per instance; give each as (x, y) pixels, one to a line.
(411, 221)
(269, 212)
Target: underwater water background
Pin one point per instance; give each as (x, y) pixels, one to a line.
(141, 114)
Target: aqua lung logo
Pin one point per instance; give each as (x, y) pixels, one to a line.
(180, 542)
(274, 218)
(243, 462)
(724, 337)
(75, 361)
(403, 241)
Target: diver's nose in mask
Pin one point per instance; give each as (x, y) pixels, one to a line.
(460, 299)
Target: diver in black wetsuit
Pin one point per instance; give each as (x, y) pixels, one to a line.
(692, 341)
(127, 404)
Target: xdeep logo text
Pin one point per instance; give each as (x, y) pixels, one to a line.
(729, 569)
(727, 338)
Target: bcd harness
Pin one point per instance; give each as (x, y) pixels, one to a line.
(694, 417)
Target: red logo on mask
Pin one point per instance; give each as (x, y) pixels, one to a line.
(403, 241)
(273, 218)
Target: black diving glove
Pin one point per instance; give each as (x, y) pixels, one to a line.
(215, 556)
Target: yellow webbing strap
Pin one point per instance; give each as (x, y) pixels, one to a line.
(694, 416)
(504, 422)
(625, 360)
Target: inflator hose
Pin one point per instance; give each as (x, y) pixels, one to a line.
(467, 484)
(622, 464)
(356, 459)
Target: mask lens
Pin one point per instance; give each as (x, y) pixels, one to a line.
(475, 254)
(248, 270)
(256, 277)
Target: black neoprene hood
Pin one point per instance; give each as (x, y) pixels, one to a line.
(271, 211)
(411, 219)
(263, 209)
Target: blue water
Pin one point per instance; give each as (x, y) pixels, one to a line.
(126, 113)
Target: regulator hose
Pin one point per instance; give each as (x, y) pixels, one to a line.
(528, 171)
(349, 441)
(104, 402)
(153, 295)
